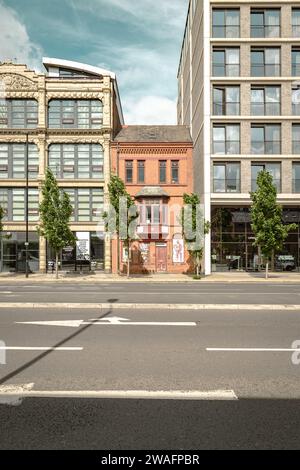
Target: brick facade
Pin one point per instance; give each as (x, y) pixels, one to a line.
(160, 246)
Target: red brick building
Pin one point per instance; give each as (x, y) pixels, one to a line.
(155, 162)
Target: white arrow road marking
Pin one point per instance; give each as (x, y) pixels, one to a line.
(12, 393)
(37, 348)
(71, 323)
(254, 349)
(108, 321)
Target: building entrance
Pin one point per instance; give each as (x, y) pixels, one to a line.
(13, 254)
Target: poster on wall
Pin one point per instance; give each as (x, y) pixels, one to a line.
(178, 250)
(83, 246)
(144, 249)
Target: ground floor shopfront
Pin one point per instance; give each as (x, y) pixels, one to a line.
(88, 254)
(153, 256)
(232, 241)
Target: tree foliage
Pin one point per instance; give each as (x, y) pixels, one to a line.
(55, 212)
(1, 219)
(191, 225)
(121, 220)
(266, 216)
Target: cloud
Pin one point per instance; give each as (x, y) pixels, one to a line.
(168, 16)
(150, 110)
(147, 78)
(15, 43)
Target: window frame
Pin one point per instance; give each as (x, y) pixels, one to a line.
(226, 64)
(225, 103)
(13, 159)
(295, 181)
(73, 121)
(60, 174)
(264, 164)
(94, 213)
(8, 110)
(14, 207)
(265, 103)
(226, 142)
(128, 167)
(226, 165)
(141, 167)
(265, 26)
(226, 27)
(163, 166)
(265, 65)
(266, 142)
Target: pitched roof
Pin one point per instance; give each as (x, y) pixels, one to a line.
(154, 134)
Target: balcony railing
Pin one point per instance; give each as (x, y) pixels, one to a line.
(265, 109)
(226, 31)
(265, 70)
(226, 148)
(276, 183)
(226, 109)
(296, 185)
(272, 31)
(266, 147)
(226, 185)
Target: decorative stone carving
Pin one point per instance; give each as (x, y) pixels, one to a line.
(75, 140)
(73, 95)
(156, 151)
(21, 94)
(14, 81)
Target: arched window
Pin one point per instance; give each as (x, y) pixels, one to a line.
(18, 114)
(75, 114)
(81, 161)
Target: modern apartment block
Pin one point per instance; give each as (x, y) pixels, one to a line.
(239, 90)
(69, 116)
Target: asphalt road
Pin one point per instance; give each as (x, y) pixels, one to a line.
(166, 356)
(217, 293)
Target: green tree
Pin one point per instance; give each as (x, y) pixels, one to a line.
(192, 221)
(1, 220)
(55, 212)
(121, 216)
(266, 216)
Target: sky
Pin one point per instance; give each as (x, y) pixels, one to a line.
(139, 40)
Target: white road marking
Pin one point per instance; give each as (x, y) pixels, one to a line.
(177, 292)
(109, 321)
(6, 292)
(149, 306)
(38, 348)
(19, 392)
(12, 394)
(254, 349)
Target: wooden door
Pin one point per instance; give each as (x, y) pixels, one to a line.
(161, 258)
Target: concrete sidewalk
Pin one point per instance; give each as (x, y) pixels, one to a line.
(227, 277)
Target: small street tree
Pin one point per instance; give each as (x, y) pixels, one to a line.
(1, 220)
(55, 212)
(194, 228)
(266, 216)
(121, 216)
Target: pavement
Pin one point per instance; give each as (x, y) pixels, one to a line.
(224, 277)
(90, 378)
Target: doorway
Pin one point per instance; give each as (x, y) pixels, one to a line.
(161, 258)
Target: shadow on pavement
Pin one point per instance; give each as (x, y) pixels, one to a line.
(61, 343)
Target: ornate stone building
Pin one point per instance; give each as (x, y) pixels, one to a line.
(70, 114)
